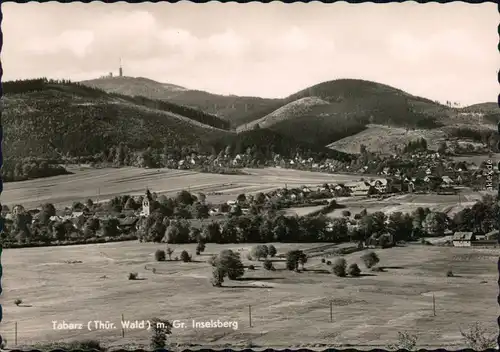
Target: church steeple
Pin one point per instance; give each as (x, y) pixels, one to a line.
(146, 203)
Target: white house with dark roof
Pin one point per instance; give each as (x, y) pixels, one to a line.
(463, 239)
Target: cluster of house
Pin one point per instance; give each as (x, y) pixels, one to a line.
(470, 239)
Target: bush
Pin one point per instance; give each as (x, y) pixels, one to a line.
(370, 259)
(18, 301)
(268, 265)
(251, 267)
(328, 262)
(478, 339)
(323, 260)
(176, 259)
(346, 213)
(339, 267)
(271, 250)
(160, 255)
(133, 276)
(378, 270)
(160, 329)
(185, 257)
(449, 273)
(406, 341)
(354, 270)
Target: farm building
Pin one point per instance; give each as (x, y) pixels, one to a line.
(463, 239)
(128, 224)
(447, 182)
(360, 188)
(492, 236)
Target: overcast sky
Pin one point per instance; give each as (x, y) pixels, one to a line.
(443, 52)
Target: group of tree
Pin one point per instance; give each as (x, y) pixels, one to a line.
(260, 228)
(30, 168)
(482, 217)
(262, 251)
(415, 146)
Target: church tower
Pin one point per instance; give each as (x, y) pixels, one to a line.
(146, 204)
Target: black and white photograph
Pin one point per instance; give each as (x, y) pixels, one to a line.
(231, 176)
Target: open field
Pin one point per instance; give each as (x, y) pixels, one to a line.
(407, 203)
(288, 309)
(108, 183)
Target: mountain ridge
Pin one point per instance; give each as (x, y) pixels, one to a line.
(348, 107)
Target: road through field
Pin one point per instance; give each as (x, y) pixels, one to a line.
(110, 182)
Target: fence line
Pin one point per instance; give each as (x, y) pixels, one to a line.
(253, 320)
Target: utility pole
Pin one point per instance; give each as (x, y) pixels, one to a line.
(250, 314)
(433, 305)
(123, 329)
(331, 311)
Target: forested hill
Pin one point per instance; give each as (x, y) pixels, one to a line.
(43, 118)
(66, 86)
(236, 109)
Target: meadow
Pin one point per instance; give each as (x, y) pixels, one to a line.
(78, 284)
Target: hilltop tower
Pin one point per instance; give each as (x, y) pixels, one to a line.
(120, 70)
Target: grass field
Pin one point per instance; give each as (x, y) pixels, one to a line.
(108, 183)
(288, 309)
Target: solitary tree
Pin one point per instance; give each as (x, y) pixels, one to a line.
(272, 250)
(339, 267)
(354, 270)
(200, 248)
(185, 257)
(268, 265)
(170, 251)
(294, 258)
(259, 251)
(370, 259)
(218, 274)
(230, 263)
(160, 255)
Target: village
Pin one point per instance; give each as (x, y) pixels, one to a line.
(122, 218)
